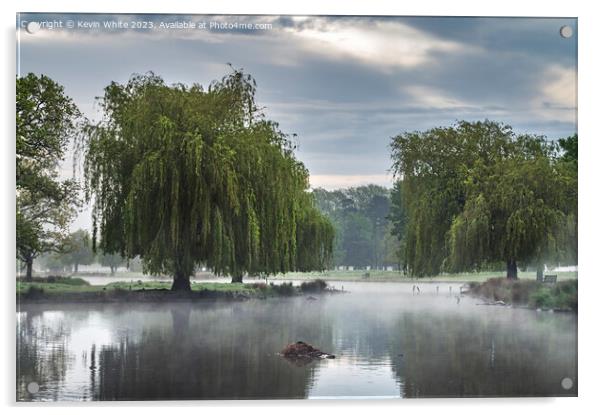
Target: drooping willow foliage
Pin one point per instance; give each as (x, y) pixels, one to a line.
(477, 194)
(184, 176)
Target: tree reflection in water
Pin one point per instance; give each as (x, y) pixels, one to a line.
(472, 357)
(415, 346)
(213, 361)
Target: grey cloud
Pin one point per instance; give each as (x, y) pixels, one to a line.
(345, 111)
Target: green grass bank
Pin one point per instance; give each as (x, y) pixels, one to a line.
(67, 289)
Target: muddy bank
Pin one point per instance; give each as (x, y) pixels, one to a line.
(561, 296)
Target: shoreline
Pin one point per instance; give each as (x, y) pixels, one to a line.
(98, 279)
(156, 296)
(538, 296)
(523, 293)
(77, 290)
(138, 296)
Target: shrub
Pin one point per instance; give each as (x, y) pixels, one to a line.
(285, 289)
(561, 295)
(521, 291)
(71, 281)
(314, 286)
(541, 298)
(56, 279)
(261, 286)
(535, 294)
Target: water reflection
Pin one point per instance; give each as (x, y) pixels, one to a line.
(387, 342)
(198, 359)
(519, 356)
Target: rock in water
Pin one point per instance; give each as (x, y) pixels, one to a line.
(302, 350)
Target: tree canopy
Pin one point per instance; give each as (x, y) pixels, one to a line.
(477, 193)
(46, 120)
(182, 175)
(77, 249)
(113, 261)
(570, 147)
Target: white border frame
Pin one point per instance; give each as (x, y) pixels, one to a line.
(589, 94)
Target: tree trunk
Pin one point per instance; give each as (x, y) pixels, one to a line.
(539, 274)
(511, 269)
(75, 267)
(236, 278)
(181, 282)
(113, 269)
(29, 269)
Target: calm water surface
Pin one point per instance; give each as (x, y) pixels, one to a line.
(388, 343)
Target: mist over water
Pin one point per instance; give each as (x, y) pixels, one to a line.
(388, 342)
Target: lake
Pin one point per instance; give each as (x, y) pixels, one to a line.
(389, 342)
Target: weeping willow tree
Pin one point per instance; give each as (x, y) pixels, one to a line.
(183, 176)
(478, 194)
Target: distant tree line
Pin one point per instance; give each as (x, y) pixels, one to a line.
(364, 233)
(77, 250)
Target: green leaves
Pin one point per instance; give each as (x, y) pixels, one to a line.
(182, 176)
(46, 120)
(469, 235)
(77, 249)
(477, 193)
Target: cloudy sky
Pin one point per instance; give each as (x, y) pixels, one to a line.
(344, 85)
